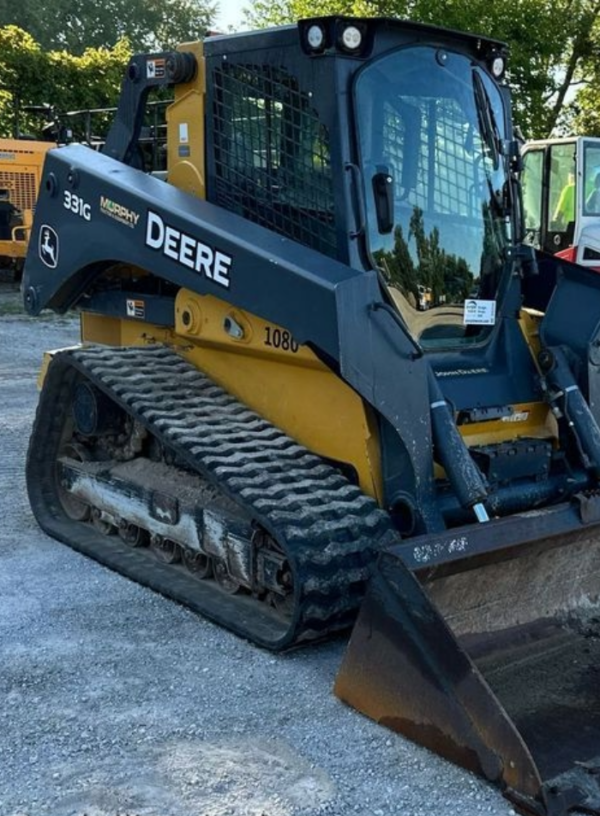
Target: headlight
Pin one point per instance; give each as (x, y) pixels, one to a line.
(315, 37)
(497, 67)
(351, 38)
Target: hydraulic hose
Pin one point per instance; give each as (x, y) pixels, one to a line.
(462, 471)
(566, 398)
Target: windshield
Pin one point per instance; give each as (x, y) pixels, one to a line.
(431, 134)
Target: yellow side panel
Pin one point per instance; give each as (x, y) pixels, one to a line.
(185, 131)
(529, 320)
(532, 420)
(110, 331)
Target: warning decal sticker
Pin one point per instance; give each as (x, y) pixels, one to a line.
(136, 308)
(155, 68)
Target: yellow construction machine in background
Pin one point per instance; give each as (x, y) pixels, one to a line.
(21, 165)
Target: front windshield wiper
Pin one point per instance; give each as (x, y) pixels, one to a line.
(499, 198)
(487, 120)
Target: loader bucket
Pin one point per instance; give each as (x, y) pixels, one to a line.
(462, 665)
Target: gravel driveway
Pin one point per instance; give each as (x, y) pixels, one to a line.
(117, 702)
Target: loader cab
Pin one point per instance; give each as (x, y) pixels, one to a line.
(382, 143)
(561, 198)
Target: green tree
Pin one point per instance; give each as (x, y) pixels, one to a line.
(586, 109)
(586, 106)
(76, 25)
(22, 66)
(92, 79)
(552, 42)
(31, 76)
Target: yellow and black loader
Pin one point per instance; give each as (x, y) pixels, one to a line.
(269, 422)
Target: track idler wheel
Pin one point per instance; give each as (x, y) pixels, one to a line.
(199, 564)
(224, 579)
(101, 524)
(132, 535)
(165, 549)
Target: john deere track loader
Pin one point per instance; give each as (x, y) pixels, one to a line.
(321, 373)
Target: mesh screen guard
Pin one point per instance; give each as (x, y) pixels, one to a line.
(272, 154)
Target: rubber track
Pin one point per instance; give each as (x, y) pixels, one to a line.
(327, 527)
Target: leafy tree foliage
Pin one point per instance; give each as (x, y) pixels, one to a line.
(586, 106)
(32, 76)
(77, 25)
(553, 42)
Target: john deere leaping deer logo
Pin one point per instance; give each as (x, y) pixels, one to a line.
(48, 246)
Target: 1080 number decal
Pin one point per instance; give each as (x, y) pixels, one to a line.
(280, 339)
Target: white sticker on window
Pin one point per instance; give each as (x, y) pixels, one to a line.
(479, 312)
(183, 133)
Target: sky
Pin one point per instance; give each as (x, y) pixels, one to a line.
(230, 13)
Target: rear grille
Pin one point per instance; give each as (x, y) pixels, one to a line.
(22, 188)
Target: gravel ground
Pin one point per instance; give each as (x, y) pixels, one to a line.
(117, 702)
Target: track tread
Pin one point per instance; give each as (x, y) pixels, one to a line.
(328, 528)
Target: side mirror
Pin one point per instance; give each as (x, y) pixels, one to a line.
(383, 192)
